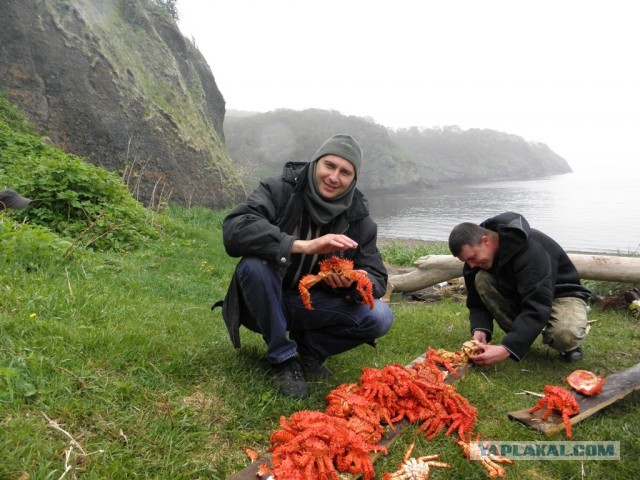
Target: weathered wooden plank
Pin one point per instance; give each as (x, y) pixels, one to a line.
(251, 470)
(616, 387)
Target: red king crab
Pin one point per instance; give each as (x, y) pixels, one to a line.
(403, 392)
(415, 468)
(312, 444)
(429, 372)
(472, 451)
(342, 267)
(364, 416)
(560, 400)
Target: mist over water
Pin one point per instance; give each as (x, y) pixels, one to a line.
(585, 211)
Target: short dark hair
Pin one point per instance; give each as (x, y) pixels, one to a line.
(466, 233)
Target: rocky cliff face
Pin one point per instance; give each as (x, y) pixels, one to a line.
(114, 81)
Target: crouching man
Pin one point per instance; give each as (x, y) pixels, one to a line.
(524, 280)
(289, 224)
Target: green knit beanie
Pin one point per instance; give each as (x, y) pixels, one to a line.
(344, 146)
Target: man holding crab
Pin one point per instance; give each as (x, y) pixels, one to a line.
(525, 281)
(289, 224)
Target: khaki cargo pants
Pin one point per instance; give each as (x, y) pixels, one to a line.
(565, 329)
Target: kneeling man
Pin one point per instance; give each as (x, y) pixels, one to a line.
(524, 280)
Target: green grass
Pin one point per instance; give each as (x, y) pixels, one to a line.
(124, 353)
(400, 254)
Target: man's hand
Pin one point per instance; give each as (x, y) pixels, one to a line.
(490, 354)
(328, 243)
(480, 336)
(337, 281)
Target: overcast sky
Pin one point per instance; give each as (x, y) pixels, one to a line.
(562, 72)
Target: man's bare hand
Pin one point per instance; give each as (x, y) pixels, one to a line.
(490, 354)
(338, 281)
(328, 243)
(480, 337)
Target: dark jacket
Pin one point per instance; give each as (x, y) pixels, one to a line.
(263, 225)
(531, 269)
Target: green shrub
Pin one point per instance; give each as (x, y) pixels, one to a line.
(71, 197)
(13, 118)
(31, 246)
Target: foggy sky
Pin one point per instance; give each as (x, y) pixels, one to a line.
(563, 73)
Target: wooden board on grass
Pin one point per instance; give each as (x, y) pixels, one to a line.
(250, 471)
(616, 387)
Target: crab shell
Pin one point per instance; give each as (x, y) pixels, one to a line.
(471, 348)
(585, 382)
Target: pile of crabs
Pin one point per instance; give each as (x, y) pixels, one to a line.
(321, 445)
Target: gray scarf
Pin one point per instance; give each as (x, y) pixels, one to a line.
(320, 210)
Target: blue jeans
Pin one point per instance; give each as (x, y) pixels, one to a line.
(333, 327)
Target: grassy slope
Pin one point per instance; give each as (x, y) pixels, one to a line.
(125, 355)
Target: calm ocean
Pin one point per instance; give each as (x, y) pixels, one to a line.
(584, 212)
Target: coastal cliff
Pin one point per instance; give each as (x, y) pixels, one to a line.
(117, 83)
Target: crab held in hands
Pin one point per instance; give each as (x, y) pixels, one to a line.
(459, 357)
(560, 400)
(343, 268)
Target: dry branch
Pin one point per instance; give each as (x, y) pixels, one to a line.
(53, 424)
(81, 383)
(84, 232)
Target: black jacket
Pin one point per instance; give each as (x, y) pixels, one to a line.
(263, 225)
(530, 268)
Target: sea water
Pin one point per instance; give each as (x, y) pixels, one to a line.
(583, 211)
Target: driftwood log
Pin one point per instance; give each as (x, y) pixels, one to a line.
(434, 269)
